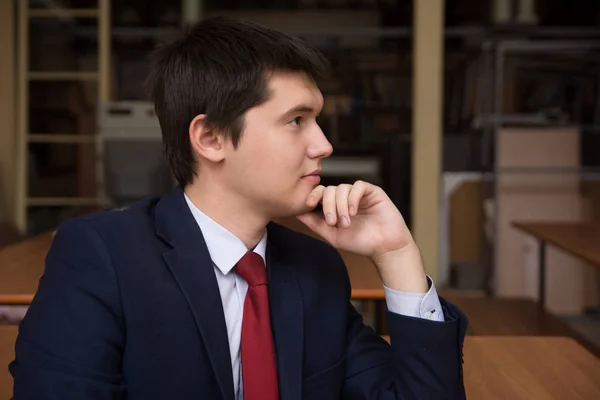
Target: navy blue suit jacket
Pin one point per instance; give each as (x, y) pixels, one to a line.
(129, 308)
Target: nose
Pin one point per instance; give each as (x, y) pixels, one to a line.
(319, 146)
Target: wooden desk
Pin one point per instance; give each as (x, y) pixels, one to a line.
(8, 334)
(512, 317)
(581, 240)
(541, 368)
(365, 281)
(21, 266)
(529, 368)
(507, 317)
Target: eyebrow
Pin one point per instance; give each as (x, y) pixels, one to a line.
(298, 109)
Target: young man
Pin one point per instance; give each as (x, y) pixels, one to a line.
(196, 295)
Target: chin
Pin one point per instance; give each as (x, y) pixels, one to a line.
(288, 209)
(303, 209)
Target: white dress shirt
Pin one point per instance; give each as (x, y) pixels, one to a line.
(226, 250)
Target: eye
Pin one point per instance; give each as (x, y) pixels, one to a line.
(296, 121)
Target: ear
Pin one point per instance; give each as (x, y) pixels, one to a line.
(205, 141)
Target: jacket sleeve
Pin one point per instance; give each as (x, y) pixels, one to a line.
(424, 360)
(71, 341)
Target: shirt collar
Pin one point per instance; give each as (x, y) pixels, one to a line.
(224, 247)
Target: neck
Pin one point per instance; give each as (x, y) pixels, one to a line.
(229, 211)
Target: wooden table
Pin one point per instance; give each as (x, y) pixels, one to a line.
(529, 367)
(8, 334)
(507, 316)
(21, 266)
(581, 240)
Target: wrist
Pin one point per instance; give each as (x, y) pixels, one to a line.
(402, 269)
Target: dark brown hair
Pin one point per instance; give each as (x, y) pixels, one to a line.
(219, 67)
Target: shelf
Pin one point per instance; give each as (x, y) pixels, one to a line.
(64, 13)
(50, 188)
(141, 32)
(63, 76)
(60, 138)
(61, 201)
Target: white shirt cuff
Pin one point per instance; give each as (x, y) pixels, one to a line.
(417, 305)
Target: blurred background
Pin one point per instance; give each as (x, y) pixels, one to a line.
(473, 115)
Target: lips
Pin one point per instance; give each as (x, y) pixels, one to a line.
(313, 179)
(316, 172)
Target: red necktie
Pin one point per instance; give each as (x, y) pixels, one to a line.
(259, 374)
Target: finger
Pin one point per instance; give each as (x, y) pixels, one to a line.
(341, 200)
(315, 196)
(356, 193)
(329, 207)
(316, 223)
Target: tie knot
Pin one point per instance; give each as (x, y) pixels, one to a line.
(251, 267)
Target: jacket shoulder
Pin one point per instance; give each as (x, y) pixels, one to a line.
(117, 223)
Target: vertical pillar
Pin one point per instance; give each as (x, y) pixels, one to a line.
(428, 36)
(7, 111)
(191, 11)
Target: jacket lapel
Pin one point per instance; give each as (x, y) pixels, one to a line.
(286, 319)
(192, 267)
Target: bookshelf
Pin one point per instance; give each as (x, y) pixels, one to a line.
(57, 94)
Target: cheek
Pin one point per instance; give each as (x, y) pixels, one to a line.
(259, 169)
(279, 158)
(280, 175)
(274, 157)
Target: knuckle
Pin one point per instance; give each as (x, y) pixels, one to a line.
(342, 197)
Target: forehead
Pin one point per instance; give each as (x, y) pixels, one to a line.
(290, 89)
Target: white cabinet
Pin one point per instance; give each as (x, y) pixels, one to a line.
(537, 180)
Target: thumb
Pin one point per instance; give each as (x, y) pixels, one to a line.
(317, 224)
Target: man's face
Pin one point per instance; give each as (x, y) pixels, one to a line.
(281, 146)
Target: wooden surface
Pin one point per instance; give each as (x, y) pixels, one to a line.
(530, 368)
(540, 368)
(8, 334)
(365, 281)
(8, 233)
(21, 266)
(579, 239)
(465, 207)
(510, 316)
